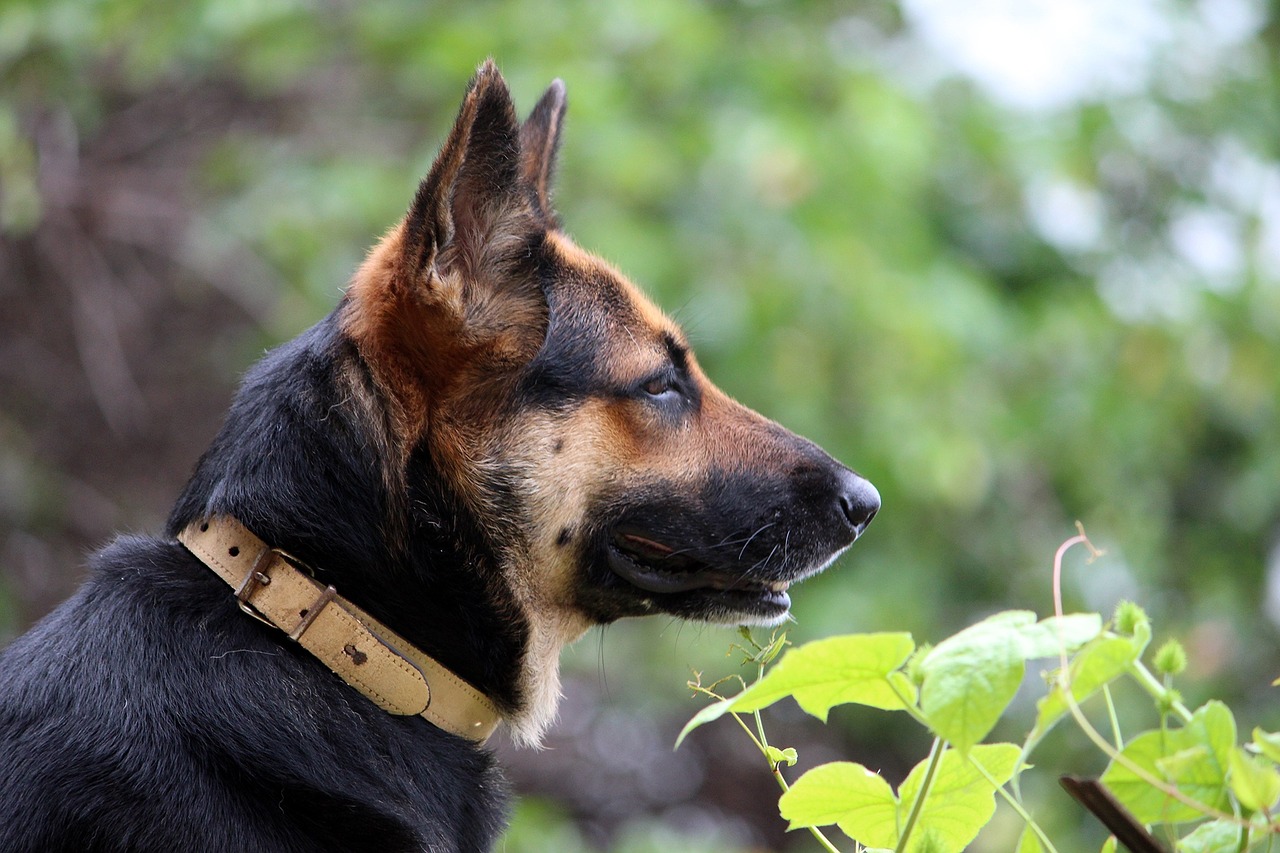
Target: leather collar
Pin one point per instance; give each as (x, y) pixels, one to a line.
(366, 654)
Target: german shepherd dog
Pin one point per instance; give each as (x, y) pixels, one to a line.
(493, 443)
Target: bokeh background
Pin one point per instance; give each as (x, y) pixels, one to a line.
(1017, 261)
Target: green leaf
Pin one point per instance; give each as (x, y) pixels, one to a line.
(857, 668)
(861, 803)
(1013, 620)
(1193, 758)
(1267, 744)
(1183, 762)
(777, 756)
(770, 653)
(1215, 836)
(961, 801)
(1255, 784)
(714, 711)
(970, 678)
(1029, 842)
(1218, 726)
(847, 794)
(1049, 637)
(926, 839)
(1109, 846)
(1100, 662)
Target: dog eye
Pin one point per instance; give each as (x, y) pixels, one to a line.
(660, 387)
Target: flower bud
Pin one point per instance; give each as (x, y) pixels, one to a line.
(914, 671)
(1128, 617)
(1171, 658)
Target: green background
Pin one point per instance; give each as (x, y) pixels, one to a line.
(1010, 302)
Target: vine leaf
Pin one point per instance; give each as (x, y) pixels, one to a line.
(849, 795)
(1267, 744)
(778, 757)
(1048, 637)
(1194, 758)
(970, 678)
(861, 669)
(1028, 842)
(959, 803)
(1256, 784)
(1215, 836)
(1098, 663)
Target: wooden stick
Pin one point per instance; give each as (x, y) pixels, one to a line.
(1115, 817)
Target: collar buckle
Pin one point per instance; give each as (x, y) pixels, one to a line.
(254, 579)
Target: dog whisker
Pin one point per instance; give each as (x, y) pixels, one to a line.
(753, 536)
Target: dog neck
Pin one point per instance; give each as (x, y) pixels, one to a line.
(370, 657)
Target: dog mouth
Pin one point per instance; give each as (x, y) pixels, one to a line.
(658, 568)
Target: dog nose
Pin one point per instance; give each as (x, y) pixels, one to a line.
(859, 501)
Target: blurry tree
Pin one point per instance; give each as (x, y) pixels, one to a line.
(1018, 262)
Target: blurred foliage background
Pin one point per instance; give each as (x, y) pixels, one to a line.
(1017, 262)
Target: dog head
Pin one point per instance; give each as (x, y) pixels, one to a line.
(570, 414)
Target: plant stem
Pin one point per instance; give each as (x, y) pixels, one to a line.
(1057, 578)
(935, 758)
(1115, 720)
(1158, 691)
(779, 778)
(762, 744)
(909, 706)
(760, 723)
(1017, 806)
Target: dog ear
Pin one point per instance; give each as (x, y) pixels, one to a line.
(472, 192)
(453, 286)
(539, 143)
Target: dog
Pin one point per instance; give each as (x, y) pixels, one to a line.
(493, 443)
